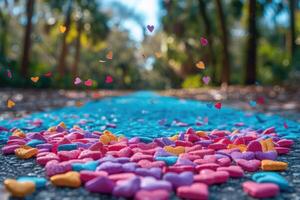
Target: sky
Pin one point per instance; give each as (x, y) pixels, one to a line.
(149, 10)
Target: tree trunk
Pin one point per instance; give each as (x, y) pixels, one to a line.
(27, 39)
(292, 36)
(252, 44)
(225, 76)
(3, 35)
(64, 50)
(77, 49)
(202, 11)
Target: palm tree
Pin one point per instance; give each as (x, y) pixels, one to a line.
(225, 76)
(27, 38)
(252, 44)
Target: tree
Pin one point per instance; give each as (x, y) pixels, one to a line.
(292, 36)
(202, 10)
(77, 48)
(64, 49)
(27, 38)
(252, 44)
(225, 76)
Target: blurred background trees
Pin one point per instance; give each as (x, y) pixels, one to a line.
(249, 42)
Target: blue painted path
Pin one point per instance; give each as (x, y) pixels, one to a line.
(151, 115)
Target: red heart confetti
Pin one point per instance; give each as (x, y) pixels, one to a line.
(48, 74)
(260, 100)
(108, 79)
(218, 105)
(88, 83)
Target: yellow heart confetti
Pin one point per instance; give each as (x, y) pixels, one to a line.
(200, 65)
(62, 29)
(35, 79)
(109, 55)
(10, 103)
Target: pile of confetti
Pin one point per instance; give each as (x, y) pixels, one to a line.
(186, 163)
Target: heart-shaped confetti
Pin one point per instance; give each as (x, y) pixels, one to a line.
(200, 65)
(9, 75)
(78, 103)
(77, 81)
(252, 103)
(35, 79)
(150, 28)
(203, 41)
(62, 29)
(210, 105)
(48, 74)
(260, 100)
(109, 55)
(206, 80)
(158, 54)
(218, 105)
(10, 103)
(108, 79)
(88, 83)
(102, 61)
(285, 125)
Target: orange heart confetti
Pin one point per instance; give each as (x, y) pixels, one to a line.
(158, 54)
(62, 29)
(35, 79)
(78, 103)
(200, 65)
(109, 55)
(10, 103)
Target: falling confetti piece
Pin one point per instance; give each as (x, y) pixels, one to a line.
(88, 83)
(49, 74)
(109, 55)
(79, 103)
(150, 28)
(77, 81)
(108, 79)
(260, 100)
(206, 80)
(210, 105)
(252, 103)
(158, 54)
(9, 75)
(35, 79)
(102, 61)
(10, 103)
(218, 105)
(285, 125)
(203, 41)
(62, 29)
(200, 65)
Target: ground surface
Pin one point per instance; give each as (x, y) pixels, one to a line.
(147, 114)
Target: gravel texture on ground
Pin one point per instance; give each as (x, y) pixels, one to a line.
(151, 115)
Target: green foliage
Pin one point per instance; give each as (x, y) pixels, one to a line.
(193, 81)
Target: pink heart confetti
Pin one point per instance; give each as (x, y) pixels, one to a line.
(108, 79)
(285, 125)
(88, 83)
(203, 41)
(77, 81)
(206, 79)
(9, 75)
(49, 74)
(150, 28)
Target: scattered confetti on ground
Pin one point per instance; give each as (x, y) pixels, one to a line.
(140, 115)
